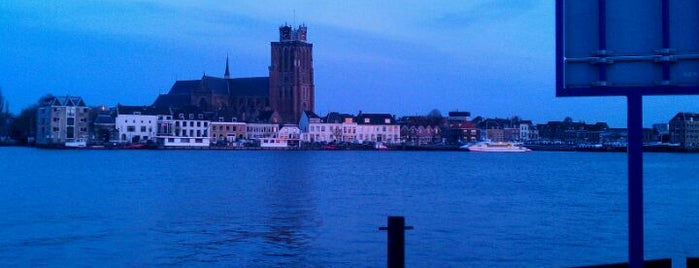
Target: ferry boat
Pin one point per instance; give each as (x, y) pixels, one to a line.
(496, 147)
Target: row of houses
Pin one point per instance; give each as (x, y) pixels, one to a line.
(65, 119)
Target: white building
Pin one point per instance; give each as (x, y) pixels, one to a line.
(136, 124)
(288, 136)
(380, 128)
(334, 127)
(188, 128)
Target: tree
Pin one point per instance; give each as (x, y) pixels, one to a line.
(2, 104)
(435, 113)
(23, 128)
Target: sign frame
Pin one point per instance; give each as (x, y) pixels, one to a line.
(665, 57)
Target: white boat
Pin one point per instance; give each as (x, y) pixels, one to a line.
(496, 147)
(76, 143)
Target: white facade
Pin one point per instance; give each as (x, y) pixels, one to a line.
(378, 128)
(136, 128)
(184, 141)
(288, 136)
(324, 132)
(378, 133)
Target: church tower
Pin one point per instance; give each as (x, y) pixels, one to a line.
(291, 88)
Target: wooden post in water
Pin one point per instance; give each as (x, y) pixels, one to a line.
(396, 241)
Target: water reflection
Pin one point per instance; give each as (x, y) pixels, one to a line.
(291, 217)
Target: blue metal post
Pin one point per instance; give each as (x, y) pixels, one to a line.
(635, 159)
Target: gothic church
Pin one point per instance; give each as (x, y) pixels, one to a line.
(282, 97)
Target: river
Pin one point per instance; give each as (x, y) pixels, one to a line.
(323, 208)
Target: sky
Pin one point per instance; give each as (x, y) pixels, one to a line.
(493, 58)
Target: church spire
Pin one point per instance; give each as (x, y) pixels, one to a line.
(227, 74)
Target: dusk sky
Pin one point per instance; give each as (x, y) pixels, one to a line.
(494, 58)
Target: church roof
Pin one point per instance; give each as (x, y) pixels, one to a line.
(215, 85)
(250, 86)
(184, 87)
(172, 100)
(181, 91)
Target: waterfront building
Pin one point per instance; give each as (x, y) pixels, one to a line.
(460, 128)
(287, 136)
(103, 130)
(684, 130)
(527, 131)
(256, 131)
(281, 97)
(184, 127)
(377, 128)
(567, 131)
(421, 130)
(334, 127)
(136, 124)
(226, 132)
(347, 123)
(62, 119)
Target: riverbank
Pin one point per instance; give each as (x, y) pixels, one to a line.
(369, 147)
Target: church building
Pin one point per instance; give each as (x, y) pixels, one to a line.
(281, 97)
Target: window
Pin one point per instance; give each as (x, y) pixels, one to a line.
(366, 120)
(206, 124)
(191, 123)
(177, 123)
(170, 139)
(199, 140)
(130, 128)
(143, 128)
(56, 119)
(191, 133)
(200, 116)
(228, 128)
(185, 140)
(55, 129)
(83, 129)
(387, 120)
(198, 124)
(198, 133)
(181, 115)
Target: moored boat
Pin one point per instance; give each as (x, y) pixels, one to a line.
(496, 147)
(76, 143)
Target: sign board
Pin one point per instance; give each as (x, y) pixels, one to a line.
(622, 47)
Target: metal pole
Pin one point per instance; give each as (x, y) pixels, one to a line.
(635, 183)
